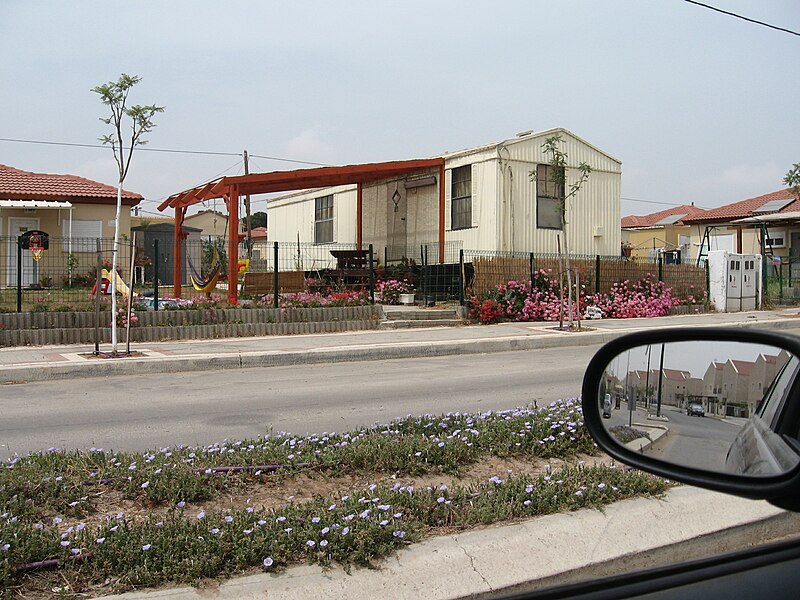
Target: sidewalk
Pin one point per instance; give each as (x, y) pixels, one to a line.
(40, 363)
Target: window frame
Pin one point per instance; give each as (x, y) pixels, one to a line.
(549, 195)
(461, 202)
(324, 219)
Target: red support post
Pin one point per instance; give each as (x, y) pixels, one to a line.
(233, 244)
(441, 213)
(360, 214)
(177, 253)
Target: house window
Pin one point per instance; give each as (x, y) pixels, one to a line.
(323, 220)
(84, 235)
(775, 239)
(461, 197)
(549, 197)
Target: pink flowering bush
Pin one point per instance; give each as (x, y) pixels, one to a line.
(647, 297)
(319, 299)
(543, 300)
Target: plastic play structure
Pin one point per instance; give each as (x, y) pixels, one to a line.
(105, 284)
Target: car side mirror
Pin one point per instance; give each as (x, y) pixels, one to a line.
(713, 407)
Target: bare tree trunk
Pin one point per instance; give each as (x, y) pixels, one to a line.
(560, 284)
(113, 277)
(568, 269)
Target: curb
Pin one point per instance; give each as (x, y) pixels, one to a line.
(275, 358)
(525, 556)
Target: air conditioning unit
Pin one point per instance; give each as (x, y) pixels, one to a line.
(598, 231)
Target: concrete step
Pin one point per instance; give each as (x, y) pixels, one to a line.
(416, 323)
(420, 314)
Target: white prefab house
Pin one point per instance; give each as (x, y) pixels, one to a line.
(491, 203)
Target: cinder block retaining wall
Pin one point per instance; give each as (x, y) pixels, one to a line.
(39, 329)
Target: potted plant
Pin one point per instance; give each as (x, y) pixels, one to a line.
(394, 291)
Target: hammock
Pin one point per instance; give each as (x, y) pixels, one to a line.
(209, 282)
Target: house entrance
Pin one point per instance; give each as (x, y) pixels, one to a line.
(30, 268)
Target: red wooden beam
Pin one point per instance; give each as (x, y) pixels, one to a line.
(359, 216)
(441, 213)
(177, 254)
(233, 244)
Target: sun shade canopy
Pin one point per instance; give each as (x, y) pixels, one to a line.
(300, 179)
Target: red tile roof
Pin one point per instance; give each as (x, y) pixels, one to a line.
(16, 184)
(743, 366)
(743, 208)
(651, 219)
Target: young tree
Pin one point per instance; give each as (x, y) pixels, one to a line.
(558, 177)
(137, 120)
(792, 179)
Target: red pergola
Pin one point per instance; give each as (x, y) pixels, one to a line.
(231, 188)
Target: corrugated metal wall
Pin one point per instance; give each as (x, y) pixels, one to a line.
(293, 215)
(503, 204)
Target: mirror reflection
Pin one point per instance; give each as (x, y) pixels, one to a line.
(713, 406)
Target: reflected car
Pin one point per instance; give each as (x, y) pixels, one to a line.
(695, 409)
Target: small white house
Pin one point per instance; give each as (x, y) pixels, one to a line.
(493, 201)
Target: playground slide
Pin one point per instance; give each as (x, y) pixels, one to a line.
(120, 284)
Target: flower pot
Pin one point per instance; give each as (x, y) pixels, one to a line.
(406, 298)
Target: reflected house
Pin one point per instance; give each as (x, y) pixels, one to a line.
(736, 387)
(765, 369)
(635, 383)
(676, 385)
(712, 388)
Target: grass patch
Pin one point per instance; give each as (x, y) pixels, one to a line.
(626, 434)
(117, 521)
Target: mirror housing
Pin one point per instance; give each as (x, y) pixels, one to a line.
(781, 489)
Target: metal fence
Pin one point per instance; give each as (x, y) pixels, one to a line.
(597, 273)
(782, 281)
(66, 272)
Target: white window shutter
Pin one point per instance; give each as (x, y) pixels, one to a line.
(448, 199)
(477, 181)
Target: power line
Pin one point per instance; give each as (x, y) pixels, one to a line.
(656, 202)
(164, 150)
(749, 20)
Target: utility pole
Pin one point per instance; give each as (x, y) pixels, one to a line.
(247, 240)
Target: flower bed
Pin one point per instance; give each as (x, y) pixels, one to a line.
(351, 498)
(541, 300)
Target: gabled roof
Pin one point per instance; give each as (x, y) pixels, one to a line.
(522, 137)
(655, 219)
(24, 185)
(676, 375)
(742, 366)
(744, 208)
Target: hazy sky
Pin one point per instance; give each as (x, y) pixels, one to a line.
(699, 106)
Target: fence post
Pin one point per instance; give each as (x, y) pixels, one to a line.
(708, 283)
(156, 260)
(790, 272)
(780, 283)
(385, 257)
(98, 282)
(275, 274)
(422, 273)
(660, 268)
(532, 267)
(597, 274)
(19, 274)
(461, 276)
(371, 275)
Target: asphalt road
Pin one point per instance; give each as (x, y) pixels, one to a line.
(156, 410)
(700, 442)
